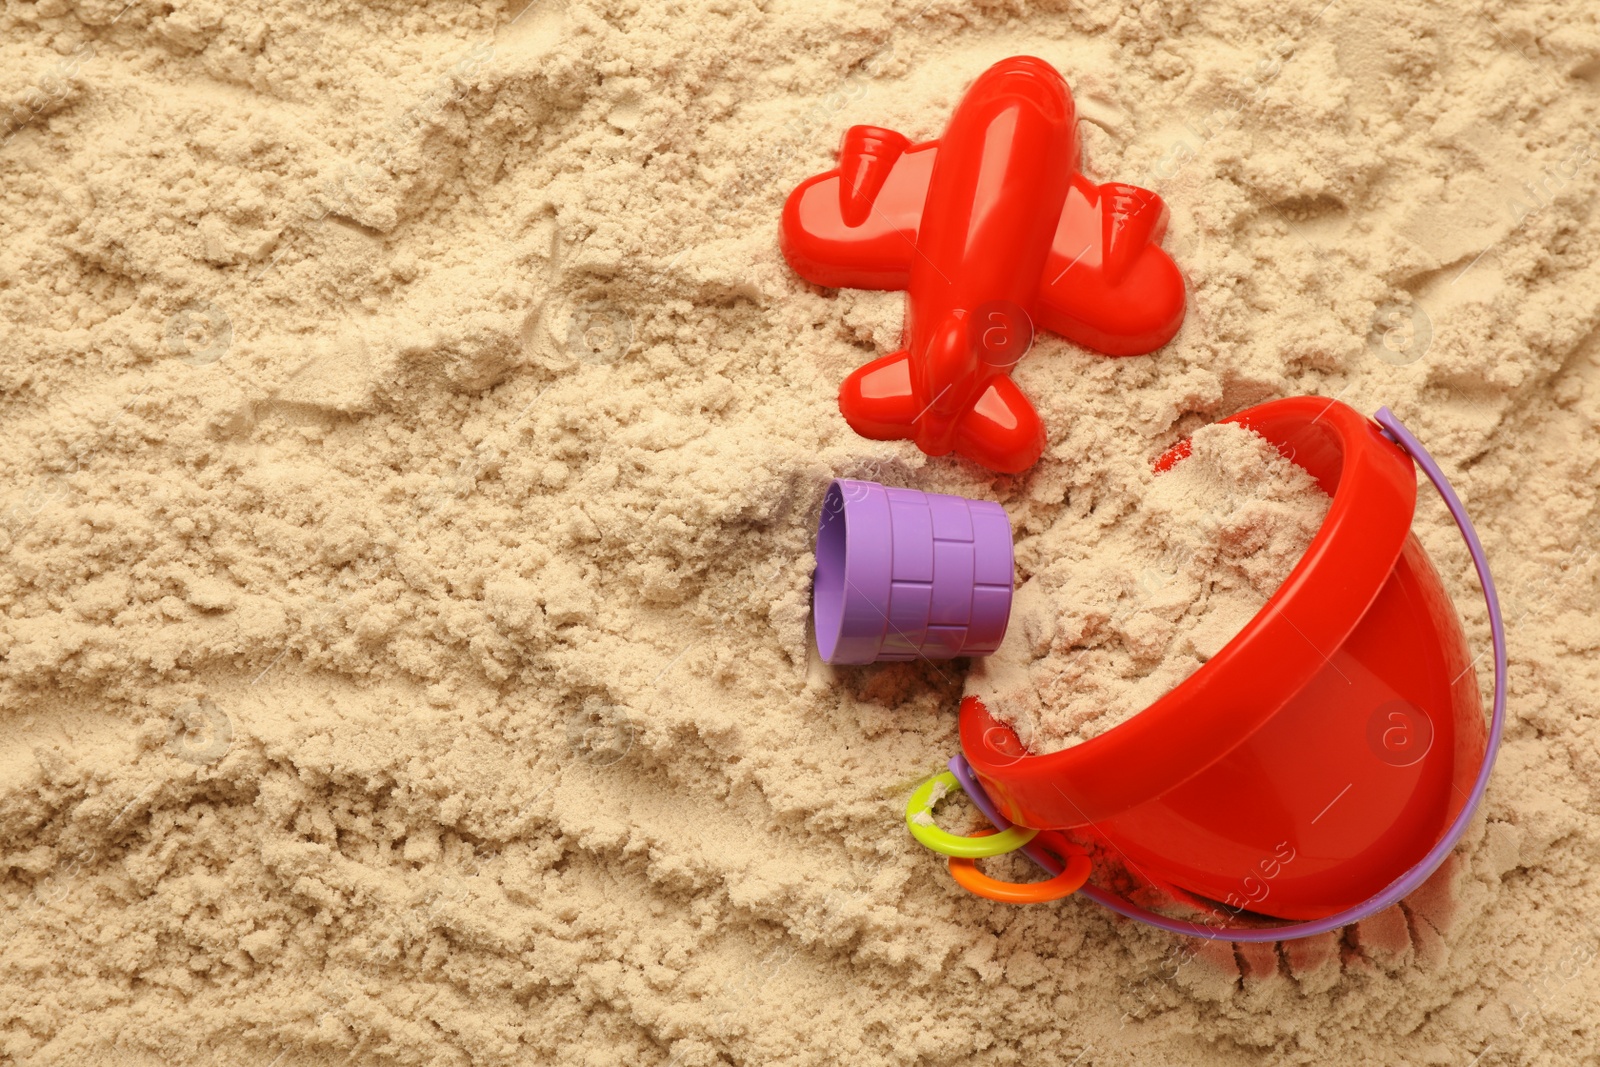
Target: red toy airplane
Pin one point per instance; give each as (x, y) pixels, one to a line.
(988, 230)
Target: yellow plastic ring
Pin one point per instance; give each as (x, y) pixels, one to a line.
(919, 819)
(1074, 872)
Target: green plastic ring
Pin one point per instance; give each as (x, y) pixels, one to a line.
(928, 833)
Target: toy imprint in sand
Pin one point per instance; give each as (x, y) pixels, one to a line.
(989, 230)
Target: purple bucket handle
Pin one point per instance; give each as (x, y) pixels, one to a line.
(1402, 886)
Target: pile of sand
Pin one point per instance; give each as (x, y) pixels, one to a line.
(1118, 617)
(410, 447)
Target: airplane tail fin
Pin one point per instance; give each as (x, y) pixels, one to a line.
(877, 399)
(881, 400)
(1002, 431)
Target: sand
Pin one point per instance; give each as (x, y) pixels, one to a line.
(1120, 616)
(410, 443)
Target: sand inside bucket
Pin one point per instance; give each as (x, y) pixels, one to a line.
(1096, 637)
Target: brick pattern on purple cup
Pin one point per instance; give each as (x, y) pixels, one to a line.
(910, 575)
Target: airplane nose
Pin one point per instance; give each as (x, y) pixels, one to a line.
(1028, 78)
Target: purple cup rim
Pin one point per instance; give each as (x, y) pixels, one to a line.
(828, 594)
(1414, 876)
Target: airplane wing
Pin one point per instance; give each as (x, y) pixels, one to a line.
(855, 227)
(1107, 283)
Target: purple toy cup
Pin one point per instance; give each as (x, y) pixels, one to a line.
(902, 575)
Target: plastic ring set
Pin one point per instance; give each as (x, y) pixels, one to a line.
(964, 851)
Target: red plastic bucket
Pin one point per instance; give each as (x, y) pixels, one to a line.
(1326, 750)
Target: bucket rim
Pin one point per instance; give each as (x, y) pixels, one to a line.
(1373, 485)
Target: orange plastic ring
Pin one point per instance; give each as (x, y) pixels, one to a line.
(1074, 872)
